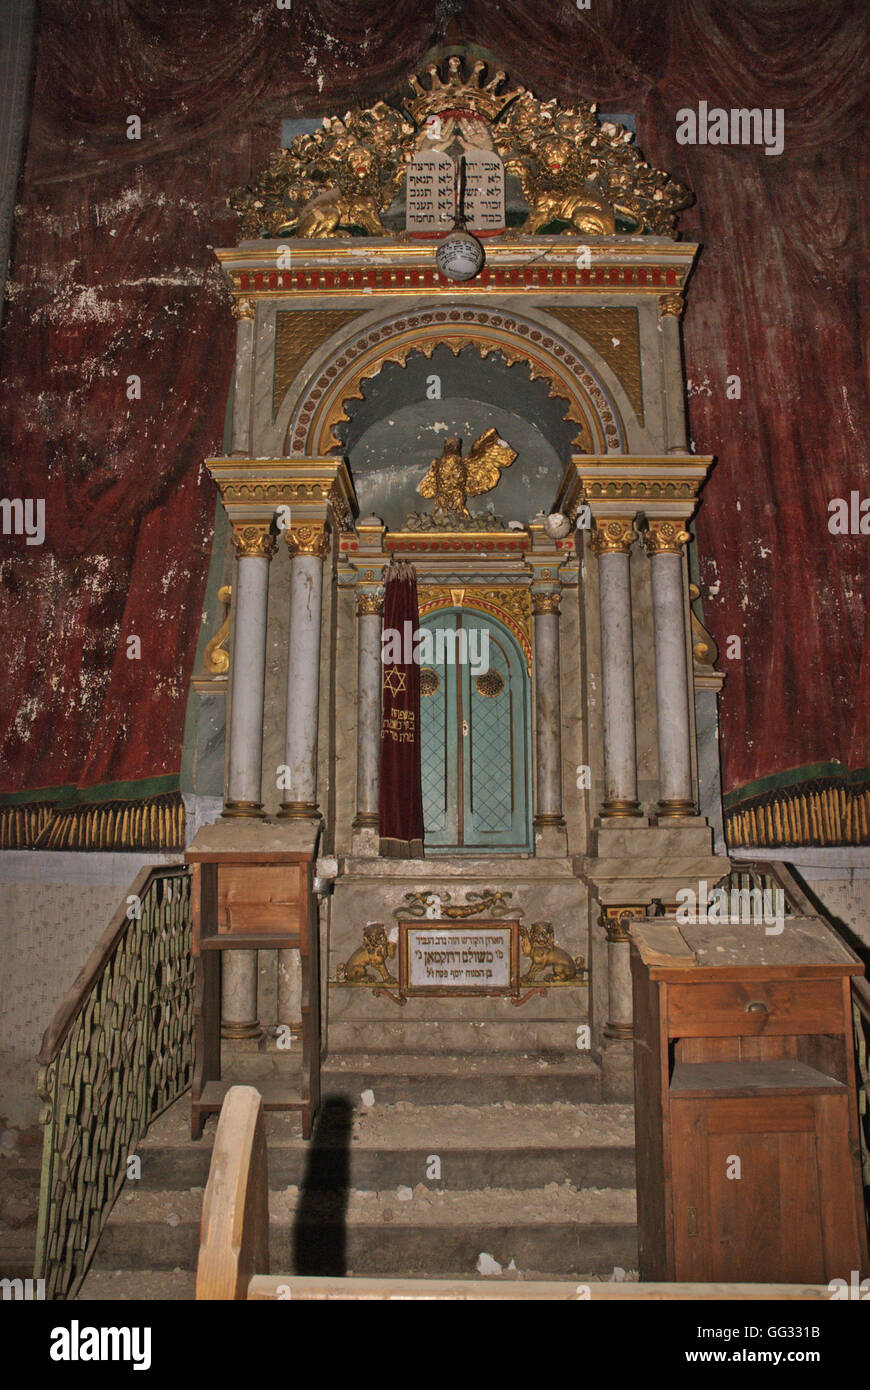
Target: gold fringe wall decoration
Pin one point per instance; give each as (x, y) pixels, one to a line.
(805, 814)
(154, 823)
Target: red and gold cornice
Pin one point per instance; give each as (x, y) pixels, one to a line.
(514, 265)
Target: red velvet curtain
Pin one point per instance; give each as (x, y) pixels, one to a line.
(113, 276)
(400, 792)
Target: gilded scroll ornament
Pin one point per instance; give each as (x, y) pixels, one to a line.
(372, 955)
(546, 603)
(538, 943)
(254, 539)
(612, 537)
(216, 658)
(435, 904)
(665, 538)
(704, 646)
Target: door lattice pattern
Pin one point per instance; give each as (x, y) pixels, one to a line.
(491, 800)
(433, 753)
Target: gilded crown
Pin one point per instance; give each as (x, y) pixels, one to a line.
(459, 93)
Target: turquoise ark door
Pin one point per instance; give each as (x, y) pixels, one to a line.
(475, 737)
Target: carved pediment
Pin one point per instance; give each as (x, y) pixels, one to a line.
(576, 175)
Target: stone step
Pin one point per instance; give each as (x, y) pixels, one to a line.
(446, 1079)
(505, 1145)
(557, 1229)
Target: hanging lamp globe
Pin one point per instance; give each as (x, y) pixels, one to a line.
(460, 255)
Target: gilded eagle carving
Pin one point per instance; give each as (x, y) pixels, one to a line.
(452, 479)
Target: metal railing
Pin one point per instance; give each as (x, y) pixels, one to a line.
(118, 1051)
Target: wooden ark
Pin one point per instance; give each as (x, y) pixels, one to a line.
(747, 1141)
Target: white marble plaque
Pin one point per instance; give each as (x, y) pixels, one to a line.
(484, 191)
(429, 193)
(465, 957)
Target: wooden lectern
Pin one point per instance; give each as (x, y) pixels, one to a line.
(747, 1141)
(253, 900)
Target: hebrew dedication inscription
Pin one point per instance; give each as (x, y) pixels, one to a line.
(466, 958)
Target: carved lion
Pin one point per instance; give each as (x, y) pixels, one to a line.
(373, 954)
(539, 945)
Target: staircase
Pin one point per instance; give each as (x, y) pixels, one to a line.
(508, 1166)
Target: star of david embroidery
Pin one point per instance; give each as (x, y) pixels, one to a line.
(394, 680)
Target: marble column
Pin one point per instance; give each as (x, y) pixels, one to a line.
(309, 544)
(239, 995)
(664, 542)
(611, 542)
(548, 711)
(620, 1012)
(368, 704)
(255, 546)
(243, 377)
(289, 987)
(670, 310)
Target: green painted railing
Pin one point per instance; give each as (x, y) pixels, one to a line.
(118, 1051)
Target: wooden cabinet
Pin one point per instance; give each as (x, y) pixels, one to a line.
(748, 1159)
(253, 901)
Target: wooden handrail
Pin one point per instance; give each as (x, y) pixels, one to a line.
(234, 1233)
(76, 997)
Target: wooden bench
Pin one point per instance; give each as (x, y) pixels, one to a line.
(234, 1242)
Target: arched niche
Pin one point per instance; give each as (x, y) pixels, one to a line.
(355, 357)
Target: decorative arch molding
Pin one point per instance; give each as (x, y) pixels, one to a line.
(509, 605)
(519, 338)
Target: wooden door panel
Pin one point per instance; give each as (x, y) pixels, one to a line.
(763, 1226)
(439, 752)
(475, 742)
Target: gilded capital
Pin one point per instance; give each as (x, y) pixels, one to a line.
(665, 538)
(253, 538)
(613, 537)
(368, 603)
(243, 308)
(308, 540)
(616, 919)
(671, 304)
(545, 603)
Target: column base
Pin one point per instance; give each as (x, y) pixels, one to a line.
(299, 810)
(620, 1032)
(365, 843)
(240, 1032)
(243, 808)
(366, 820)
(549, 818)
(618, 808)
(675, 809)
